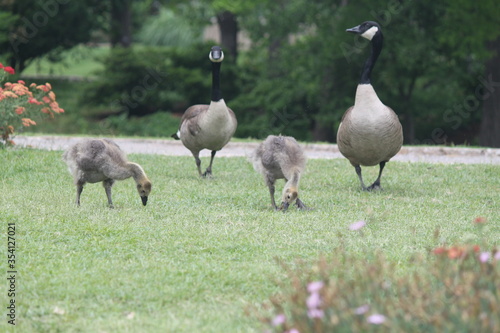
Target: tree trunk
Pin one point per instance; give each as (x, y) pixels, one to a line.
(228, 33)
(490, 123)
(121, 23)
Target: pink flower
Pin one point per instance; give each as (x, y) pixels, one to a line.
(497, 256)
(315, 313)
(293, 330)
(20, 110)
(313, 301)
(362, 309)
(357, 225)
(376, 319)
(9, 70)
(315, 286)
(484, 256)
(279, 320)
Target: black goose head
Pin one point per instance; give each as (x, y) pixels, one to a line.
(367, 29)
(216, 54)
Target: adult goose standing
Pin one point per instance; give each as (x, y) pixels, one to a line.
(370, 132)
(281, 157)
(101, 160)
(208, 126)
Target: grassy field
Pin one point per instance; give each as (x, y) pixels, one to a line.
(203, 250)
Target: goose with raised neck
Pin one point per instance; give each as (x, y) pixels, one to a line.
(208, 126)
(370, 132)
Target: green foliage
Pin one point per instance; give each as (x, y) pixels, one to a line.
(43, 27)
(169, 29)
(140, 81)
(449, 290)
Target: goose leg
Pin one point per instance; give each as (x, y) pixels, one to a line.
(358, 172)
(376, 184)
(107, 187)
(208, 172)
(198, 162)
(79, 189)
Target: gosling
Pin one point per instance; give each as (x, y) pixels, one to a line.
(281, 157)
(102, 160)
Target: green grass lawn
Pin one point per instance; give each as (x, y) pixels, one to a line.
(203, 250)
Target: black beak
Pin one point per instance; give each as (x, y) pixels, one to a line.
(144, 200)
(354, 30)
(285, 206)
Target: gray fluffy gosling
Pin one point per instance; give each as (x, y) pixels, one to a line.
(370, 132)
(208, 126)
(281, 157)
(101, 160)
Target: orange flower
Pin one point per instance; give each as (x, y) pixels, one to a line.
(480, 220)
(33, 85)
(33, 100)
(455, 252)
(9, 94)
(43, 88)
(21, 82)
(476, 248)
(52, 96)
(20, 110)
(27, 122)
(439, 250)
(49, 87)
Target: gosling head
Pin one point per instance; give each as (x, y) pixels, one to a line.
(366, 29)
(290, 194)
(144, 188)
(216, 54)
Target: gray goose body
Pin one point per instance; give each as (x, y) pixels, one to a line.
(281, 157)
(370, 132)
(208, 126)
(102, 160)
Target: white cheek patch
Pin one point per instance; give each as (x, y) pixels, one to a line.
(368, 34)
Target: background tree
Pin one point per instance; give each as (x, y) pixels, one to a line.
(37, 27)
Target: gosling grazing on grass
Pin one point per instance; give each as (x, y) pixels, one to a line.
(281, 157)
(208, 126)
(101, 160)
(370, 132)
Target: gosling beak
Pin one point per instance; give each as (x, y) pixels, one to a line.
(354, 30)
(285, 206)
(144, 200)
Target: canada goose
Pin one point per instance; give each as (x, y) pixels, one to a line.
(370, 132)
(208, 126)
(101, 160)
(281, 157)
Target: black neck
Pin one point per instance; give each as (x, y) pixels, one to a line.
(216, 93)
(377, 42)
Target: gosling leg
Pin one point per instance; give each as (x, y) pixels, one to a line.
(108, 183)
(376, 184)
(79, 189)
(208, 172)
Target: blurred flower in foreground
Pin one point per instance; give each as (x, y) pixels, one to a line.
(376, 319)
(357, 225)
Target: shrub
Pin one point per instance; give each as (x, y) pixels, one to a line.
(22, 105)
(452, 289)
